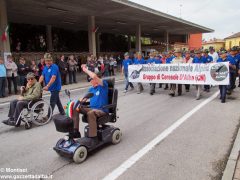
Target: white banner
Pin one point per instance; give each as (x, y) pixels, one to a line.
(209, 74)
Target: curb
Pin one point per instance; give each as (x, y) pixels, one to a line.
(229, 171)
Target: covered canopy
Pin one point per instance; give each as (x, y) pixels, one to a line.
(111, 16)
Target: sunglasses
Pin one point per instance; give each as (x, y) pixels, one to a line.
(30, 79)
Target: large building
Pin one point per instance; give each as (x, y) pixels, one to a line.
(233, 40)
(97, 17)
(217, 44)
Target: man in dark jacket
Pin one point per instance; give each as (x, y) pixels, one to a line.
(23, 69)
(63, 68)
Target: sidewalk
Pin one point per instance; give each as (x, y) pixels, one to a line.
(232, 170)
(81, 82)
(237, 171)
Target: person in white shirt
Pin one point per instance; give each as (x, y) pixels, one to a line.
(213, 54)
(12, 73)
(177, 60)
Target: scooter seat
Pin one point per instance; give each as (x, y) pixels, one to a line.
(101, 120)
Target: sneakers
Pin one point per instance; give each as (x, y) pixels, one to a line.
(9, 122)
(125, 91)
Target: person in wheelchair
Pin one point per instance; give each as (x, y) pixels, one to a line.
(32, 91)
(100, 98)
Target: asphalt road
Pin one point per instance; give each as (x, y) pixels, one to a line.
(194, 150)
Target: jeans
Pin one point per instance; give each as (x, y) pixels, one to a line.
(55, 99)
(127, 81)
(72, 77)
(223, 91)
(2, 86)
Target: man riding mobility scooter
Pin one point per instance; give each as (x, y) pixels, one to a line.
(78, 148)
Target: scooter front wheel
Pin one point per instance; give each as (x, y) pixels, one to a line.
(116, 137)
(80, 154)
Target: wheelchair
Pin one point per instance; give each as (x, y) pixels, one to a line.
(37, 112)
(78, 149)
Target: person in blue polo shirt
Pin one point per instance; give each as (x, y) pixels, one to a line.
(154, 59)
(125, 64)
(97, 102)
(223, 88)
(169, 58)
(206, 59)
(52, 79)
(139, 60)
(233, 71)
(238, 57)
(3, 75)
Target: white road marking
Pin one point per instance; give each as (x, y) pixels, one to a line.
(135, 157)
(47, 95)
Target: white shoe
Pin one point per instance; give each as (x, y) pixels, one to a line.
(125, 91)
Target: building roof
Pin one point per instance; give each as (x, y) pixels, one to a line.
(111, 16)
(233, 36)
(214, 41)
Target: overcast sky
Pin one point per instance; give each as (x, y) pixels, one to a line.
(219, 15)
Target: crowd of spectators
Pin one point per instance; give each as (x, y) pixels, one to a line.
(14, 72)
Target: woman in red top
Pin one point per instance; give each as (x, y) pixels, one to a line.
(41, 66)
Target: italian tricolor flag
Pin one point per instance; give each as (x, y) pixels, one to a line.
(5, 34)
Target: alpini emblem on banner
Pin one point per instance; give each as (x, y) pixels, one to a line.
(219, 72)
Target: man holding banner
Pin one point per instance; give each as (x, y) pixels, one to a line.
(125, 64)
(153, 59)
(177, 60)
(139, 61)
(206, 59)
(169, 58)
(178, 72)
(223, 88)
